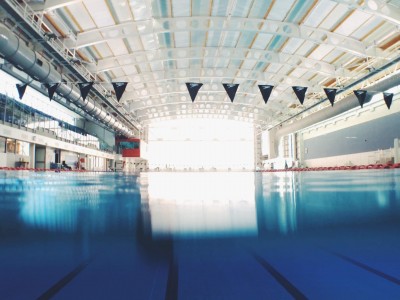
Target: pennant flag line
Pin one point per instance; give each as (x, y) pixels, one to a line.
(300, 92)
(265, 91)
(231, 89)
(193, 89)
(21, 89)
(331, 94)
(361, 95)
(388, 97)
(119, 88)
(85, 87)
(51, 88)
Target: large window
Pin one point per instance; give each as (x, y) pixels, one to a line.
(36, 112)
(22, 148)
(2, 108)
(201, 144)
(10, 146)
(34, 99)
(128, 145)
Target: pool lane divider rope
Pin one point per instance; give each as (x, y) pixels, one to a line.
(50, 170)
(341, 168)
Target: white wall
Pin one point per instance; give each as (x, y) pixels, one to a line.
(355, 117)
(49, 156)
(374, 110)
(366, 158)
(3, 159)
(9, 159)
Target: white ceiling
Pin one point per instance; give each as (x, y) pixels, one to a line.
(159, 45)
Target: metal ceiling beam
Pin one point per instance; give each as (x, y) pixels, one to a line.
(177, 115)
(139, 58)
(243, 25)
(217, 102)
(219, 99)
(211, 76)
(380, 8)
(215, 93)
(49, 5)
(144, 115)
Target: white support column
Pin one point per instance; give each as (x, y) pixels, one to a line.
(396, 151)
(300, 145)
(32, 147)
(257, 150)
(273, 142)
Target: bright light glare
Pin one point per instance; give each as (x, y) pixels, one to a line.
(202, 203)
(201, 143)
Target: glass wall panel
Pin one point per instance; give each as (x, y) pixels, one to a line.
(22, 148)
(9, 110)
(10, 146)
(2, 107)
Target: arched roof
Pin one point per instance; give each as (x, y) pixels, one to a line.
(157, 46)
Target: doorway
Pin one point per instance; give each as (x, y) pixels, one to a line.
(40, 157)
(57, 156)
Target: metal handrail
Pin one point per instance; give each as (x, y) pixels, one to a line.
(35, 20)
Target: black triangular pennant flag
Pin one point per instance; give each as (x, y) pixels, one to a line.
(331, 94)
(388, 97)
(85, 88)
(361, 95)
(231, 89)
(300, 92)
(193, 89)
(119, 88)
(265, 91)
(21, 89)
(51, 88)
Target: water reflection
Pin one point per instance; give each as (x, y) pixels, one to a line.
(200, 204)
(170, 205)
(167, 231)
(72, 203)
(291, 202)
(279, 201)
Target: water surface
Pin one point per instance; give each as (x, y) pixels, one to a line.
(315, 235)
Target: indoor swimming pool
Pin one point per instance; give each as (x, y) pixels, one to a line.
(216, 235)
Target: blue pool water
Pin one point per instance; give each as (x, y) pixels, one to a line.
(304, 235)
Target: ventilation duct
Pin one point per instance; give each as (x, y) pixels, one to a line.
(17, 53)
